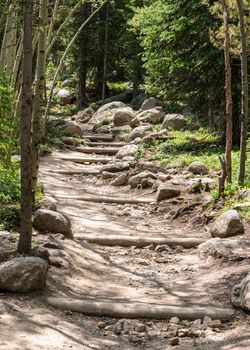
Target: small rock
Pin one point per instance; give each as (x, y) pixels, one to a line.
(198, 168)
(140, 327)
(150, 103)
(174, 121)
(106, 175)
(101, 325)
(123, 116)
(42, 253)
(47, 220)
(174, 341)
(167, 191)
(174, 320)
(23, 275)
(71, 129)
(120, 180)
(228, 224)
(241, 294)
(127, 150)
(47, 203)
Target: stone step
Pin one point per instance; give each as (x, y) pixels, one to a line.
(109, 199)
(98, 137)
(107, 150)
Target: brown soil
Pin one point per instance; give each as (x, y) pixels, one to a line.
(174, 276)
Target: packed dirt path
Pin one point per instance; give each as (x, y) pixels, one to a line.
(131, 272)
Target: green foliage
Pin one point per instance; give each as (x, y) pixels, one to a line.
(9, 197)
(181, 62)
(189, 146)
(8, 130)
(103, 122)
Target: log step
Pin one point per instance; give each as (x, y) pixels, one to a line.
(87, 160)
(134, 310)
(77, 172)
(110, 199)
(110, 151)
(105, 144)
(140, 242)
(98, 137)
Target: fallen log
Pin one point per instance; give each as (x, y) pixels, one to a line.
(87, 160)
(107, 199)
(107, 150)
(140, 242)
(140, 310)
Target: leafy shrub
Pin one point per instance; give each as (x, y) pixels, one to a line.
(8, 130)
(9, 197)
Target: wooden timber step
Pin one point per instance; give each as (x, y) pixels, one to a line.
(140, 242)
(123, 309)
(87, 160)
(77, 172)
(98, 137)
(109, 199)
(105, 144)
(107, 150)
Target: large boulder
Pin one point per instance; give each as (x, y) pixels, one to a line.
(84, 116)
(198, 168)
(123, 116)
(139, 132)
(71, 129)
(111, 106)
(152, 116)
(228, 224)
(127, 150)
(150, 103)
(142, 179)
(241, 294)
(64, 97)
(106, 111)
(167, 191)
(224, 248)
(174, 121)
(23, 275)
(51, 221)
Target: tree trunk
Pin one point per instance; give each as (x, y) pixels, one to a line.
(68, 48)
(105, 54)
(244, 93)
(228, 92)
(37, 126)
(24, 244)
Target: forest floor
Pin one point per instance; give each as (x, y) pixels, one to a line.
(148, 275)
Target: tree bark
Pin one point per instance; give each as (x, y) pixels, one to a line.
(24, 244)
(244, 94)
(228, 92)
(37, 126)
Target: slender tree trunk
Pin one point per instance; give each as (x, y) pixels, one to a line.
(228, 92)
(105, 54)
(24, 244)
(37, 126)
(244, 94)
(65, 55)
